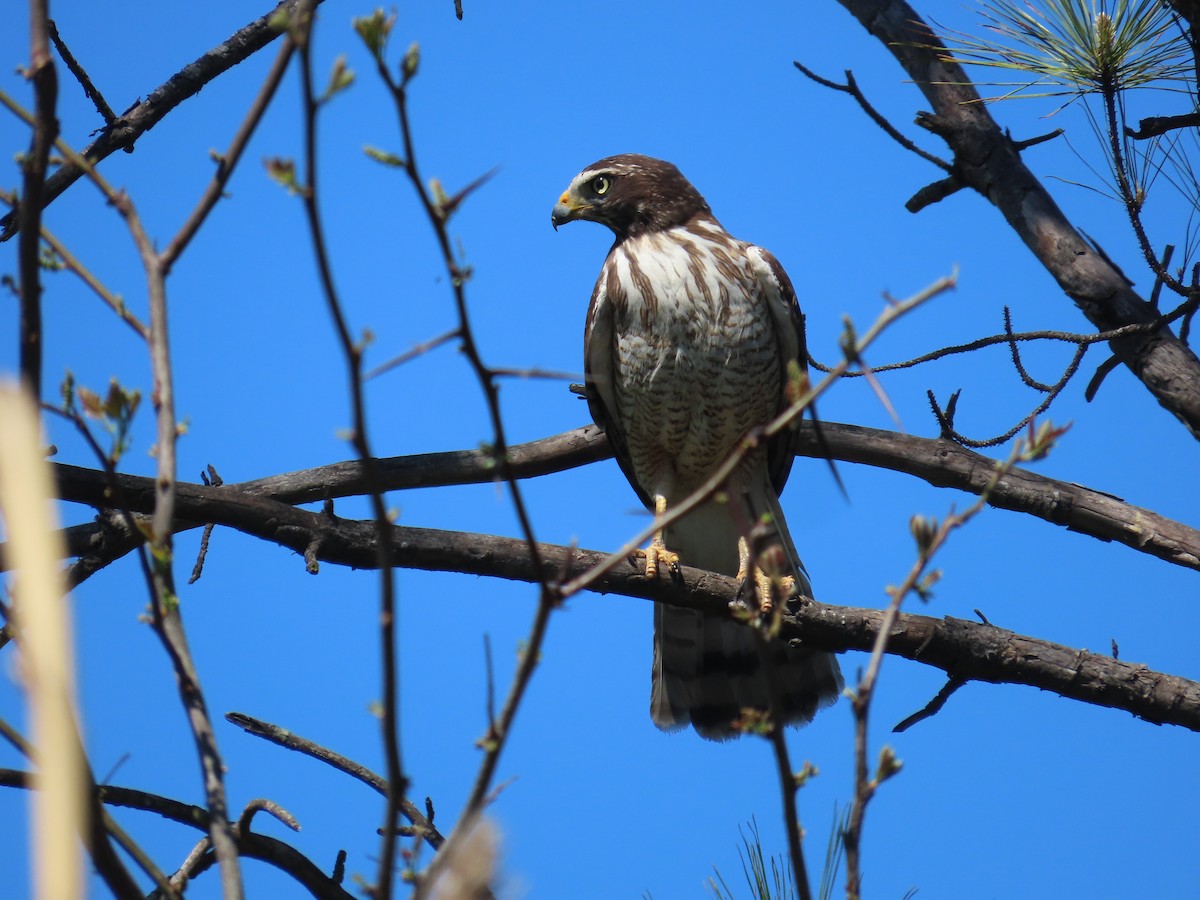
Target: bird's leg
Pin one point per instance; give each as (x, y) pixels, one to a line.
(657, 551)
(767, 582)
(762, 581)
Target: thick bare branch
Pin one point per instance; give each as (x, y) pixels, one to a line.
(987, 160)
(966, 650)
(939, 462)
(972, 651)
(1084, 510)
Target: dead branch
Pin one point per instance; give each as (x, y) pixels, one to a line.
(987, 160)
(939, 462)
(967, 650)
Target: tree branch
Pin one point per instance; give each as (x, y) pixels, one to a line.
(122, 132)
(257, 846)
(397, 783)
(987, 160)
(229, 160)
(166, 615)
(1153, 126)
(42, 74)
(438, 210)
(292, 741)
(966, 650)
(939, 462)
(972, 651)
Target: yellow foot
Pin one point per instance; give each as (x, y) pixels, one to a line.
(768, 587)
(657, 552)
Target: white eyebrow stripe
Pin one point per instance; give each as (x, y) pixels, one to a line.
(620, 169)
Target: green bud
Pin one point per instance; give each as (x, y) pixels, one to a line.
(374, 30)
(339, 79)
(809, 771)
(889, 765)
(924, 530)
(410, 63)
(282, 171)
(384, 157)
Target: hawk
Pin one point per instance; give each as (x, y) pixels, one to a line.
(688, 339)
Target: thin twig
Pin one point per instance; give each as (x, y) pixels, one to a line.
(228, 162)
(42, 74)
(89, 89)
(261, 804)
(548, 374)
(947, 425)
(934, 193)
(851, 88)
(292, 741)
(789, 785)
(412, 353)
(1132, 204)
(1028, 380)
(930, 538)
(157, 103)
(1066, 337)
(397, 782)
(165, 608)
(933, 707)
(491, 686)
(1040, 139)
(201, 554)
(438, 211)
(1153, 126)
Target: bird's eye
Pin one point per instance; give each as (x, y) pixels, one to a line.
(601, 184)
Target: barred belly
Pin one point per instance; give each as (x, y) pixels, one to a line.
(697, 363)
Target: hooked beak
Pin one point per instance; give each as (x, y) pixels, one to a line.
(567, 209)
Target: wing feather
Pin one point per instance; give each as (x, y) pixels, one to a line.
(789, 334)
(599, 355)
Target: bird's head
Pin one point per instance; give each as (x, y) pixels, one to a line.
(631, 194)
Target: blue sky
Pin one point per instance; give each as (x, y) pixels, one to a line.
(1008, 792)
